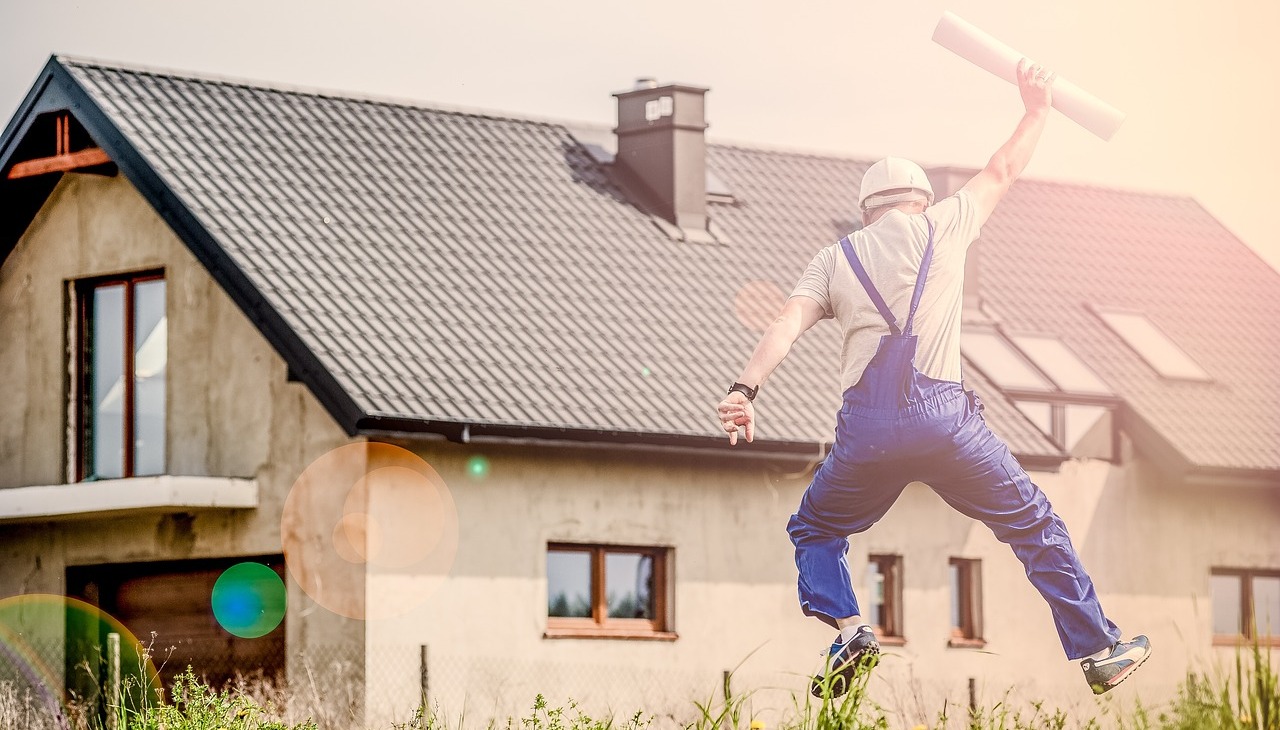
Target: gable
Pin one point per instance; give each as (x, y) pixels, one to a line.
(226, 389)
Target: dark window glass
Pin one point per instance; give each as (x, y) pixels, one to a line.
(629, 585)
(569, 583)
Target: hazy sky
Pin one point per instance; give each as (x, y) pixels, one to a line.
(1197, 79)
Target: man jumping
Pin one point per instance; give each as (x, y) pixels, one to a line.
(905, 415)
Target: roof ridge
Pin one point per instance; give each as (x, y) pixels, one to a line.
(570, 125)
(304, 90)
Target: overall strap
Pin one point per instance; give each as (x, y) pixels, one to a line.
(872, 292)
(924, 272)
(861, 273)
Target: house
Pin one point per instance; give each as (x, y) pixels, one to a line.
(451, 378)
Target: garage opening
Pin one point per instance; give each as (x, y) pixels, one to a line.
(184, 616)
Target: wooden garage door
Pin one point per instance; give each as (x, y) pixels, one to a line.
(168, 606)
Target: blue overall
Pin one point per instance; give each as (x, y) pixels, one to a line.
(898, 426)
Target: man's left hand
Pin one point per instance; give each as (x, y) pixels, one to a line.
(737, 412)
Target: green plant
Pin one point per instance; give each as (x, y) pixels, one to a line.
(1249, 699)
(192, 705)
(851, 711)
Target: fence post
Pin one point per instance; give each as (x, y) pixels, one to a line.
(423, 679)
(973, 696)
(113, 681)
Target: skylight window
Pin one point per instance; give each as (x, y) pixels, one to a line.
(1154, 346)
(1062, 365)
(1051, 386)
(996, 357)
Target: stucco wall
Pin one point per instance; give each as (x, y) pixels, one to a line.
(230, 410)
(1148, 544)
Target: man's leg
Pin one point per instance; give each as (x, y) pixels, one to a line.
(842, 500)
(983, 480)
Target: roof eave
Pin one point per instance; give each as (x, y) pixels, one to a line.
(57, 88)
(413, 429)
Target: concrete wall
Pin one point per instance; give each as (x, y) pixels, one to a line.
(1148, 544)
(230, 412)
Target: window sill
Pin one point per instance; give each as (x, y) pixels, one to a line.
(602, 633)
(115, 497)
(958, 643)
(892, 640)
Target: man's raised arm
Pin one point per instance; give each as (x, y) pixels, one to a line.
(993, 181)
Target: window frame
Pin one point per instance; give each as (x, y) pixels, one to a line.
(83, 290)
(969, 634)
(1248, 631)
(599, 625)
(891, 632)
(1056, 397)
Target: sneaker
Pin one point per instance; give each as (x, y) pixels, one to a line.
(843, 661)
(1125, 657)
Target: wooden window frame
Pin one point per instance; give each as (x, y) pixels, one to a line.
(891, 632)
(1248, 631)
(84, 288)
(599, 625)
(968, 635)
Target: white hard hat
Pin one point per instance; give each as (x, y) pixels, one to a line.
(894, 173)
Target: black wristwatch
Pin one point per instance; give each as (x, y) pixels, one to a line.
(746, 390)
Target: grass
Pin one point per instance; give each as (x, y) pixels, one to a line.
(1243, 697)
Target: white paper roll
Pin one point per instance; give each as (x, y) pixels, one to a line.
(987, 53)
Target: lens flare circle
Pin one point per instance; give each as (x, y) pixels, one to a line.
(370, 530)
(757, 304)
(40, 633)
(249, 600)
(477, 467)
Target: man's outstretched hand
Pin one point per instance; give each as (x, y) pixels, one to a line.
(1035, 83)
(737, 412)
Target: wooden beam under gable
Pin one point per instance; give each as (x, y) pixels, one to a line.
(63, 158)
(91, 157)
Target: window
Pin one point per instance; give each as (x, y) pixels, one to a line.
(884, 605)
(1062, 365)
(1051, 386)
(966, 603)
(1152, 345)
(995, 357)
(1246, 605)
(607, 591)
(123, 352)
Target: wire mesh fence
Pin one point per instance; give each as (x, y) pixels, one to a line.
(376, 686)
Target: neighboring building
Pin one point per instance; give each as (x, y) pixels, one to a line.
(454, 375)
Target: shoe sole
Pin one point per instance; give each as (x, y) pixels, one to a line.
(839, 678)
(1104, 687)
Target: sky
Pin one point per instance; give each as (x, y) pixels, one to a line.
(855, 78)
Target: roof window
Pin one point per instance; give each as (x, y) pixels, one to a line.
(1153, 345)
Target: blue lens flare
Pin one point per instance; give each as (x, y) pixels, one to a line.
(249, 600)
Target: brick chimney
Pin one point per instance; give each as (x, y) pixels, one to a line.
(662, 151)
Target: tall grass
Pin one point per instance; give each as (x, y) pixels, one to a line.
(1245, 696)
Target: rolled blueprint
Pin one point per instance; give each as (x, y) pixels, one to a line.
(987, 53)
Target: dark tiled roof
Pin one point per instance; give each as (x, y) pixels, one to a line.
(464, 268)
(1054, 251)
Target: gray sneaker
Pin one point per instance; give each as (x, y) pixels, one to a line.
(844, 660)
(1125, 657)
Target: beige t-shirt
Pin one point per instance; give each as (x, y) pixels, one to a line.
(891, 249)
